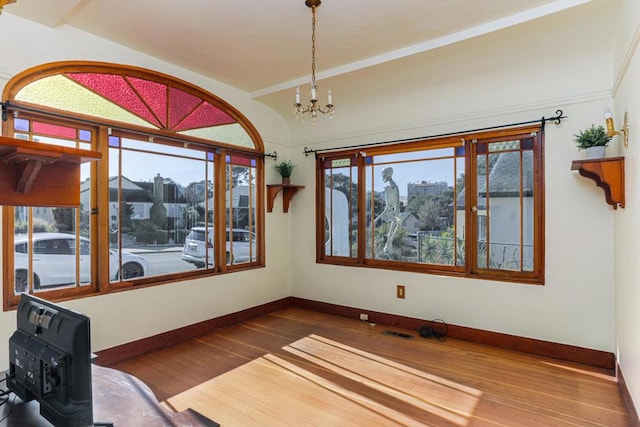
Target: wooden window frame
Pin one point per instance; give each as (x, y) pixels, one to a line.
(100, 177)
(470, 268)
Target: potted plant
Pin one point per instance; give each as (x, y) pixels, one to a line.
(593, 140)
(285, 168)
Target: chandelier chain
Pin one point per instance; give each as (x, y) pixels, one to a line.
(312, 109)
(313, 46)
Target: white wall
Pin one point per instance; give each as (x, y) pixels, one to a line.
(515, 75)
(575, 306)
(627, 228)
(125, 316)
(562, 61)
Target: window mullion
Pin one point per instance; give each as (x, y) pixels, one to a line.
(100, 220)
(220, 168)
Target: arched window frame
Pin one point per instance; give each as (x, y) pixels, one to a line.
(102, 129)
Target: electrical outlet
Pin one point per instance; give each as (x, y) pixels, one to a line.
(364, 316)
(400, 291)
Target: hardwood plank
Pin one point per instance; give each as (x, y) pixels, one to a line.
(301, 367)
(427, 392)
(274, 383)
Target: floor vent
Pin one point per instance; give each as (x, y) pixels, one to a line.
(398, 334)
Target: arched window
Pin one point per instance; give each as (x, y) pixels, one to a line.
(177, 193)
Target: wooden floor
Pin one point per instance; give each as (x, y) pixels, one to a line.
(297, 367)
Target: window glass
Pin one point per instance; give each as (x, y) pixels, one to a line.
(53, 263)
(240, 201)
(163, 144)
(528, 212)
(85, 247)
(459, 209)
(139, 102)
(505, 222)
(157, 194)
(411, 197)
(51, 232)
(467, 209)
(341, 207)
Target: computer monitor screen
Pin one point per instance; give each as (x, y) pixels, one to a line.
(50, 361)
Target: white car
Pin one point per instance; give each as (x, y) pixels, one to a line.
(241, 249)
(54, 257)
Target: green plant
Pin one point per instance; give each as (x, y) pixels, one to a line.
(285, 168)
(595, 136)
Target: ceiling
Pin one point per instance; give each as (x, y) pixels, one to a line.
(264, 47)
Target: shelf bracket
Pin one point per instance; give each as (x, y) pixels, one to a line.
(40, 174)
(288, 191)
(608, 174)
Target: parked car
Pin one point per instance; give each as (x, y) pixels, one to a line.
(54, 257)
(241, 249)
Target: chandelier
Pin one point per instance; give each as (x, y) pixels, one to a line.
(3, 3)
(312, 109)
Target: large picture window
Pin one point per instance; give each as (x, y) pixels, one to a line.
(469, 206)
(177, 192)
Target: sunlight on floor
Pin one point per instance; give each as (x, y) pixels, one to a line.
(303, 390)
(581, 371)
(446, 399)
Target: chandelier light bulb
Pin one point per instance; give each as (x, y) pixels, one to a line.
(312, 109)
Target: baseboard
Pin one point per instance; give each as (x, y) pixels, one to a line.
(135, 348)
(596, 358)
(634, 420)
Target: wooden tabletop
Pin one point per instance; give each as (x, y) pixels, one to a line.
(118, 398)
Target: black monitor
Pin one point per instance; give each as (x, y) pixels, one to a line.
(50, 361)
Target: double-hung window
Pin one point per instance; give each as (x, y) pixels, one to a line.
(469, 205)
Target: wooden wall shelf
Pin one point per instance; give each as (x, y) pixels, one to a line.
(608, 174)
(39, 174)
(288, 192)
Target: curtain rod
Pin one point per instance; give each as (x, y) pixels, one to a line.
(556, 119)
(6, 105)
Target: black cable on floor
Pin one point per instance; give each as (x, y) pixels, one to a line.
(436, 328)
(13, 401)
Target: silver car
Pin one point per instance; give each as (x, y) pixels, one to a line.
(54, 258)
(241, 248)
